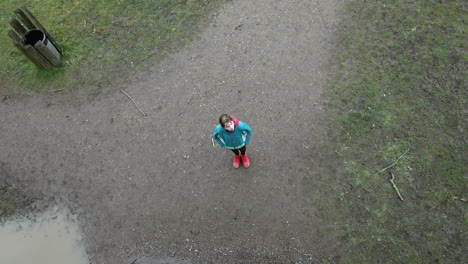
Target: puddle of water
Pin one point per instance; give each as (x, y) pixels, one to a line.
(51, 237)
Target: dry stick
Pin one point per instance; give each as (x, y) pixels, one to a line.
(143, 113)
(394, 186)
(393, 163)
(53, 91)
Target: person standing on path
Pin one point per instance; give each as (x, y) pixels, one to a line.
(234, 135)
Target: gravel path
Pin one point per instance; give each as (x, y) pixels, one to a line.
(152, 189)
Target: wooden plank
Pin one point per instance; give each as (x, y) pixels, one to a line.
(14, 36)
(39, 26)
(38, 57)
(47, 53)
(22, 16)
(19, 46)
(17, 26)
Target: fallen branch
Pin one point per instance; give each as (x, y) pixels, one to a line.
(394, 186)
(143, 113)
(386, 168)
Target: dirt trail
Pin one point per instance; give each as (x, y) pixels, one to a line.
(152, 189)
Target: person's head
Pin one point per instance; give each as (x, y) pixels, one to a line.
(226, 122)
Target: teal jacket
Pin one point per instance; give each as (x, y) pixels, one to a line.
(235, 139)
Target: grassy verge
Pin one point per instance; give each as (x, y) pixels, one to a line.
(399, 91)
(101, 39)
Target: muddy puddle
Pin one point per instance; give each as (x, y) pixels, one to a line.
(50, 237)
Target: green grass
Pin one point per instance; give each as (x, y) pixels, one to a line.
(399, 91)
(101, 39)
(11, 202)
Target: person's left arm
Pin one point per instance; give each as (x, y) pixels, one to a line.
(246, 130)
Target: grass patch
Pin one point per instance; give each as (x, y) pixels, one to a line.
(101, 39)
(12, 201)
(399, 86)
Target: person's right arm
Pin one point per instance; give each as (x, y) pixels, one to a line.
(217, 137)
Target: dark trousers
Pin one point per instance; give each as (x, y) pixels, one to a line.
(236, 151)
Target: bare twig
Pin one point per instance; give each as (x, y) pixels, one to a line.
(393, 163)
(394, 186)
(143, 113)
(53, 91)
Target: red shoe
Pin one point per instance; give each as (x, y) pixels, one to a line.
(245, 161)
(236, 161)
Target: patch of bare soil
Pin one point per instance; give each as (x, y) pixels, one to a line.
(153, 189)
